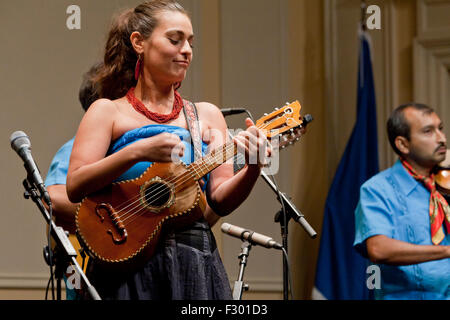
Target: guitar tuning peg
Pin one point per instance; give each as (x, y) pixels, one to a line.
(266, 114)
(287, 103)
(277, 109)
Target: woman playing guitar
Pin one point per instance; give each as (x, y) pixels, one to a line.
(139, 122)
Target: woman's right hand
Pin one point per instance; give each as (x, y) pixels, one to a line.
(164, 147)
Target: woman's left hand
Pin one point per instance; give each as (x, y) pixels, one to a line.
(254, 144)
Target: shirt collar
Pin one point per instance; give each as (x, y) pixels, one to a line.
(406, 181)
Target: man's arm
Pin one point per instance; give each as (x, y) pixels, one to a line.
(385, 250)
(63, 209)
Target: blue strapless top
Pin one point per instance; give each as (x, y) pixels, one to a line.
(134, 135)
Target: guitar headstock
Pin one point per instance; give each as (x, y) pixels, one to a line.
(281, 120)
(285, 123)
(289, 138)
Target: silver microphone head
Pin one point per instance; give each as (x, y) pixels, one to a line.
(18, 140)
(225, 227)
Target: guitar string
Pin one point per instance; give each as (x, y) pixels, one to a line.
(207, 161)
(140, 213)
(204, 164)
(238, 158)
(195, 167)
(127, 203)
(174, 180)
(133, 200)
(143, 208)
(216, 159)
(164, 192)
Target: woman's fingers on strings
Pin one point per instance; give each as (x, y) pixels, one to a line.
(253, 144)
(241, 145)
(250, 146)
(249, 122)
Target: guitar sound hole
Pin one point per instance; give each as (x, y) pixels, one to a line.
(157, 194)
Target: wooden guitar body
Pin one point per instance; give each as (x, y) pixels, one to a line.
(120, 225)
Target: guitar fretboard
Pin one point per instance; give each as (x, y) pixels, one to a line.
(208, 163)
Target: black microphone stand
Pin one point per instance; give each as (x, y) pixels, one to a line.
(65, 252)
(288, 211)
(239, 285)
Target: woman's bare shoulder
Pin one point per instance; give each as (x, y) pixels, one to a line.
(102, 111)
(103, 105)
(208, 110)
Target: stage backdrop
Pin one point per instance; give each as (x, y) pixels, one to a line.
(256, 54)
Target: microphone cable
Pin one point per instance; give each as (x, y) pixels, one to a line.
(250, 115)
(286, 257)
(289, 272)
(50, 255)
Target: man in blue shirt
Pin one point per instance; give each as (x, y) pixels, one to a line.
(402, 223)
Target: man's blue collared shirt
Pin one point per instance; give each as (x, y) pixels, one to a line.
(57, 173)
(394, 204)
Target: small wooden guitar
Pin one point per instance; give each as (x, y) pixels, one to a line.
(120, 225)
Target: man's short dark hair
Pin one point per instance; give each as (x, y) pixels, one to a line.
(88, 91)
(398, 126)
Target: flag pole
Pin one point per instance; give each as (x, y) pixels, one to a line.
(363, 15)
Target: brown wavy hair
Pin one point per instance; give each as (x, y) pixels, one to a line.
(116, 76)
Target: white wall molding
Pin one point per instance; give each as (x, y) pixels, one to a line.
(262, 285)
(23, 280)
(432, 59)
(432, 18)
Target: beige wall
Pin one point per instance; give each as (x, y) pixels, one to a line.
(41, 67)
(257, 54)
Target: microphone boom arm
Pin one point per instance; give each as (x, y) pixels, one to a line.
(290, 207)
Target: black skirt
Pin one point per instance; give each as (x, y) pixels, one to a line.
(185, 266)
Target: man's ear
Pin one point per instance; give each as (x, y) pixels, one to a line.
(137, 41)
(402, 144)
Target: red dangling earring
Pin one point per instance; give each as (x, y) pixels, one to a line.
(177, 86)
(137, 70)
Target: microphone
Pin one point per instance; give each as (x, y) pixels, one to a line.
(22, 145)
(249, 235)
(231, 111)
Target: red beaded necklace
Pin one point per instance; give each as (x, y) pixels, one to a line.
(157, 117)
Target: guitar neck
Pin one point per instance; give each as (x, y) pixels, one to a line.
(273, 124)
(201, 167)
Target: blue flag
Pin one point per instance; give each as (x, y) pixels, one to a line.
(341, 271)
